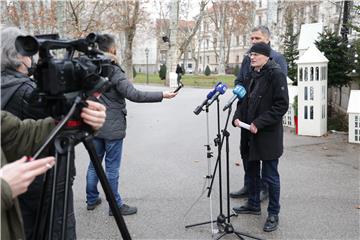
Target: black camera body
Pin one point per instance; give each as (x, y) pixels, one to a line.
(60, 81)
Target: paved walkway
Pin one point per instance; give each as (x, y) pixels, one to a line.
(164, 162)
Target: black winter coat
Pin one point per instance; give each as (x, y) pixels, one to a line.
(264, 105)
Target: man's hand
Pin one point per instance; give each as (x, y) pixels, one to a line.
(237, 122)
(20, 174)
(169, 94)
(94, 114)
(253, 128)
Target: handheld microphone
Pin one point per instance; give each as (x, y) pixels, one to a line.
(220, 89)
(198, 109)
(239, 92)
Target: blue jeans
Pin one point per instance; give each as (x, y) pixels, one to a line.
(271, 177)
(112, 150)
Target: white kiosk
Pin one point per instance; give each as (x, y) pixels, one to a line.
(312, 98)
(354, 116)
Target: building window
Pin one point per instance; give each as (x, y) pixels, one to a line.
(306, 74)
(259, 20)
(311, 93)
(312, 74)
(323, 111)
(305, 112)
(237, 41)
(244, 40)
(208, 59)
(300, 74)
(317, 73)
(315, 11)
(311, 112)
(200, 59)
(237, 59)
(305, 93)
(207, 43)
(323, 92)
(260, 3)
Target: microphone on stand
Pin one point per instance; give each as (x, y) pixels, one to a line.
(239, 92)
(220, 89)
(198, 109)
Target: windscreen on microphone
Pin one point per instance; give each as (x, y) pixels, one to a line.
(212, 93)
(209, 96)
(239, 91)
(220, 89)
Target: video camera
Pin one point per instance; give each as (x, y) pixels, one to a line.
(60, 81)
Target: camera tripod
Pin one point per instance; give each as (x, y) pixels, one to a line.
(64, 145)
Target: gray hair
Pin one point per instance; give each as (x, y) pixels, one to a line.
(263, 29)
(9, 54)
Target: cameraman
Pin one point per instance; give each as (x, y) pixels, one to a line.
(20, 138)
(109, 140)
(17, 91)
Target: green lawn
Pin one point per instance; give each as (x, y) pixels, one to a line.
(193, 80)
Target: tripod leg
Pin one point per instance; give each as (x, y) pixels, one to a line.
(39, 220)
(53, 196)
(220, 236)
(70, 151)
(87, 141)
(247, 235)
(239, 236)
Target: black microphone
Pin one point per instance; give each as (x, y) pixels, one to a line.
(198, 109)
(239, 92)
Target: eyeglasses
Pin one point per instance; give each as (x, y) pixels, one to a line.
(254, 54)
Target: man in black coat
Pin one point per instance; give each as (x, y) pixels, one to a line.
(258, 34)
(263, 107)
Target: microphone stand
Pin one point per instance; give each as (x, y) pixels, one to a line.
(228, 228)
(208, 177)
(221, 217)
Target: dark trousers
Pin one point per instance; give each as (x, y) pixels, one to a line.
(247, 179)
(29, 203)
(270, 176)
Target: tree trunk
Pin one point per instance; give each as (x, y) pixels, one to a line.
(222, 41)
(171, 54)
(127, 61)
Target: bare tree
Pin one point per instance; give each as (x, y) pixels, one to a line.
(229, 18)
(190, 30)
(34, 17)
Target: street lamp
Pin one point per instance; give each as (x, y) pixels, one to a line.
(147, 65)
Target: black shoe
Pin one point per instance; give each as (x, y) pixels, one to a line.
(264, 194)
(247, 209)
(94, 205)
(242, 193)
(125, 210)
(272, 223)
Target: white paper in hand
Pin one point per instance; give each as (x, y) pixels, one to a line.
(245, 125)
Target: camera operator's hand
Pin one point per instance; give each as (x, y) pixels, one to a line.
(94, 114)
(169, 95)
(20, 174)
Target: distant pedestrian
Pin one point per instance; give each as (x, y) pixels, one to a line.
(179, 72)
